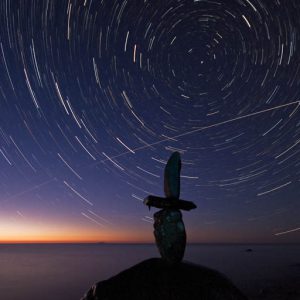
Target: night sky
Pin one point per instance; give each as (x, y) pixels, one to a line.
(96, 95)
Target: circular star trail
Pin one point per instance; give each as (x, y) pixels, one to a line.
(96, 95)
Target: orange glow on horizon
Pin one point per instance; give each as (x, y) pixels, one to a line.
(74, 237)
(60, 232)
(27, 231)
(70, 240)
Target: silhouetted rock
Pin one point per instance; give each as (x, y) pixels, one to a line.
(169, 230)
(155, 279)
(170, 234)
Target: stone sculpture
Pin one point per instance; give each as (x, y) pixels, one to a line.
(169, 230)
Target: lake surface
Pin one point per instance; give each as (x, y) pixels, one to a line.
(64, 272)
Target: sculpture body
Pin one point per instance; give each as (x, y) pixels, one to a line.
(170, 234)
(169, 230)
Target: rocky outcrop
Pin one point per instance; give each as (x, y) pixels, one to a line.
(155, 279)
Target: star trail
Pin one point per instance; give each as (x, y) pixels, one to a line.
(95, 95)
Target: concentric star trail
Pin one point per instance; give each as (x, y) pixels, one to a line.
(96, 95)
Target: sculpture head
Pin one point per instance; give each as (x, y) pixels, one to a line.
(172, 176)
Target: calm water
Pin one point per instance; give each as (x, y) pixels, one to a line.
(64, 272)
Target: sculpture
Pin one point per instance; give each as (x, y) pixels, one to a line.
(169, 230)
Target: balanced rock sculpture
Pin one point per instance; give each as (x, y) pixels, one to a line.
(167, 278)
(169, 230)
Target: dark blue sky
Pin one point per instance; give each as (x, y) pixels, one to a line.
(96, 95)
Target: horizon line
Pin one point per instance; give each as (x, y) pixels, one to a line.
(138, 243)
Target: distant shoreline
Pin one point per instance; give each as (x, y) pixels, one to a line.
(143, 244)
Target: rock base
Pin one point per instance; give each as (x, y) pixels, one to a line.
(155, 279)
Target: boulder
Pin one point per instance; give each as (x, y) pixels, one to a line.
(155, 279)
